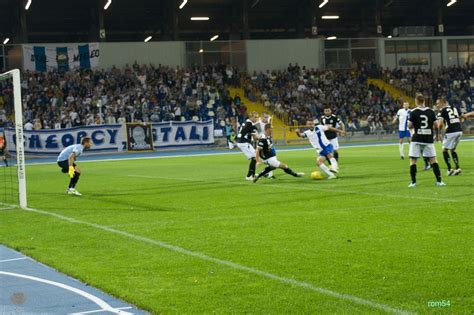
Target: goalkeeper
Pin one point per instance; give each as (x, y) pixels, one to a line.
(66, 160)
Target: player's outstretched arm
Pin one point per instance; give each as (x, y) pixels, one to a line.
(339, 131)
(438, 126)
(468, 115)
(343, 128)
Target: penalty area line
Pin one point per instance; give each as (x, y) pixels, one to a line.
(230, 264)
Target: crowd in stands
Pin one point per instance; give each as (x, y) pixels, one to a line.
(454, 83)
(139, 93)
(146, 93)
(297, 94)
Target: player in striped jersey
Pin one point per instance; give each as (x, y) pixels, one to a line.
(424, 123)
(403, 116)
(448, 117)
(247, 134)
(261, 123)
(320, 142)
(267, 153)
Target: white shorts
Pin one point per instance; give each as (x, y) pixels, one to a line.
(335, 143)
(417, 148)
(273, 162)
(451, 140)
(247, 149)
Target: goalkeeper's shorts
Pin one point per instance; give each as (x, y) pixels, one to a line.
(64, 165)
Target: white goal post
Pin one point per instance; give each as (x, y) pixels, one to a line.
(20, 148)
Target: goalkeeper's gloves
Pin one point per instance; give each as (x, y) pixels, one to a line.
(71, 171)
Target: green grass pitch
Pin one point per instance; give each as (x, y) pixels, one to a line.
(190, 235)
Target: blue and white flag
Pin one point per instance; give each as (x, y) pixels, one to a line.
(63, 58)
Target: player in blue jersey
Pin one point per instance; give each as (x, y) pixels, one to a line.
(66, 160)
(317, 137)
(403, 132)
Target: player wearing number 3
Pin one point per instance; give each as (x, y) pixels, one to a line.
(66, 160)
(423, 121)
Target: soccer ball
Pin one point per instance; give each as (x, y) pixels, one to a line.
(316, 175)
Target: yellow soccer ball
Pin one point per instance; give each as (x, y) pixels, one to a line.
(316, 175)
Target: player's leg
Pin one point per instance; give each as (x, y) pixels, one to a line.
(75, 178)
(414, 154)
(288, 170)
(430, 152)
(335, 145)
(447, 160)
(334, 163)
(267, 170)
(320, 161)
(400, 144)
(454, 154)
(249, 152)
(252, 166)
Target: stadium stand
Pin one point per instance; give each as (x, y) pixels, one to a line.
(452, 82)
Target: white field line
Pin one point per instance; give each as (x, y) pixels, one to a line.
(178, 155)
(301, 188)
(6, 206)
(99, 302)
(251, 216)
(13, 259)
(230, 264)
(97, 311)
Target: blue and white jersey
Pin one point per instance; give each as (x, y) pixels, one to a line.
(403, 115)
(317, 138)
(75, 148)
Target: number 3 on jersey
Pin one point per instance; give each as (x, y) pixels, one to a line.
(424, 121)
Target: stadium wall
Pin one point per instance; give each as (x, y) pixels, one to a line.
(277, 54)
(120, 54)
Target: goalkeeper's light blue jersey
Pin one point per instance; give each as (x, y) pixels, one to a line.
(75, 148)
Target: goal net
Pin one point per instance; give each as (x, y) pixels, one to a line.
(12, 155)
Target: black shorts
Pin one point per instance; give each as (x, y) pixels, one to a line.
(64, 165)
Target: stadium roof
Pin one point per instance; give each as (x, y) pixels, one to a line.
(127, 20)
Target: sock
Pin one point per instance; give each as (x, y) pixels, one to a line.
(334, 163)
(413, 173)
(269, 174)
(400, 147)
(427, 161)
(267, 170)
(325, 169)
(336, 156)
(253, 164)
(455, 158)
(447, 159)
(6, 161)
(436, 171)
(290, 171)
(74, 180)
